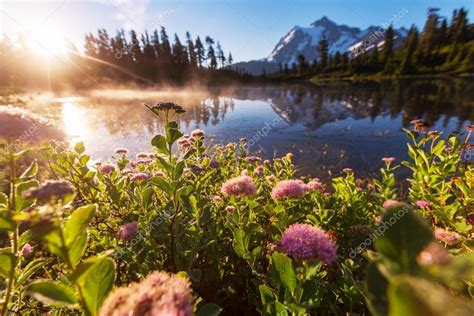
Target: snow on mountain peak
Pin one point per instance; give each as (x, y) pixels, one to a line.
(304, 40)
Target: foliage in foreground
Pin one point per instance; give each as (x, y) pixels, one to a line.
(198, 230)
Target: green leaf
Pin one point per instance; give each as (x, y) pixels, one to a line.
(74, 231)
(7, 262)
(95, 277)
(80, 148)
(454, 274)
(376, 290)
(162, 184)
(20, 201)
(3, 200)
(172, 132)
(210, 309)
(77, 223)
(280, 309)
(54, 242)
(52, 293)
(29, 270)
(159, 141)
(30, 171)
(416, 296)
(20, 154)
(403, 235)
(163, 164)
(147, 195)
(77, 248)
(240, 243)
(283, 271)
(266, 294)
(6, 222)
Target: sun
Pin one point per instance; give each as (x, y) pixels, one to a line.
(47, 42)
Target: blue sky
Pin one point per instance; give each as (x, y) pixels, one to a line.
(248, 28)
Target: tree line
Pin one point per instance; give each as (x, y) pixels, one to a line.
(128, 56)
(442, 46)
(154, 56)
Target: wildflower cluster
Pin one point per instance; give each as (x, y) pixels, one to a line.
(232, 232)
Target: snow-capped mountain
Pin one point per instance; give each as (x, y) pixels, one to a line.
(304, 40)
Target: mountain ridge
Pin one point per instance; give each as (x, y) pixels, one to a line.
(304, 40)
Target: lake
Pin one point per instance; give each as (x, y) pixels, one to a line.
(328, 127)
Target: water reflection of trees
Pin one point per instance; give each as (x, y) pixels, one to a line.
(430, 100)
(309, 105)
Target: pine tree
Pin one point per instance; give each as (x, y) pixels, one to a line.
(323, 51)
(387, 49)
(460, 25)
(199, 52)
(134, 48)
(430, 30)
(302, 64)
(165, 45)
(409, 47)
(337, 59)
(220, 54)
(191, 50)
(230, 60)
(211, 55)
(179, 54)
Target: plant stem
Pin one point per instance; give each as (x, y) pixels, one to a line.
(12, 204)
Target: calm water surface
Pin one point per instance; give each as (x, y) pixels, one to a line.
(327, 127)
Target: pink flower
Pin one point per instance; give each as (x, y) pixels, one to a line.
(26, 250)
(140, 176)
(258, 172)
(214, 163)
(253, 159)
(127, 231)
(142, 156)
(362, 229)
(160, 293)
(121, 151)
(348, 170)
(245, 172)
(303, 241)
(159, 174)
(287, 189)
(50, 190)
(378, 219)
(216, 199)
(106, 168)
(450, 238)
(388, 160)
(289, 155)
(434, 253)
(142, 162)
(197, 133)
(241, 186)
(314, 186)
(267, 162)
(422, 203)
(230, 209)
(184, 142)
(270, 178)
(391, 203)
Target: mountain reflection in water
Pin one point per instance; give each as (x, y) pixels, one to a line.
(327, 127)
